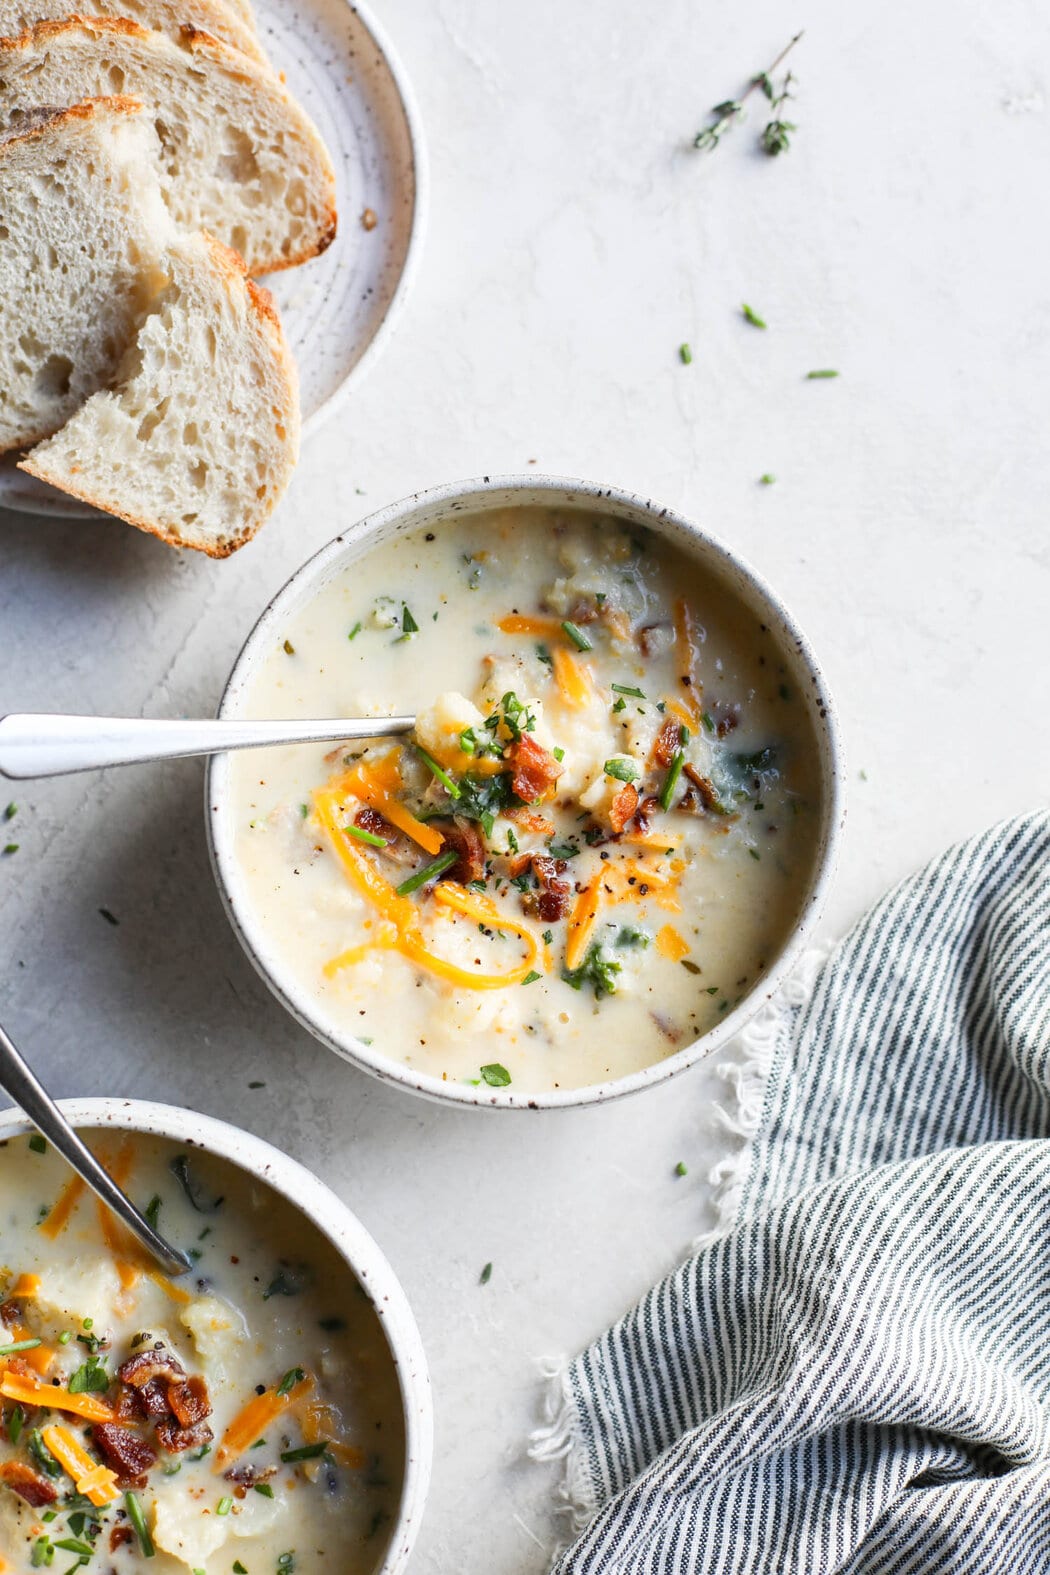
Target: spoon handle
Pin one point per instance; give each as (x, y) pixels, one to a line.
(49, 1121)
(51, 746)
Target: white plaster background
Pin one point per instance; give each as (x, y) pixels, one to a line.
(575, 241)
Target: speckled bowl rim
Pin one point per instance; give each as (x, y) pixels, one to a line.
(342, 1228)
(470, 496)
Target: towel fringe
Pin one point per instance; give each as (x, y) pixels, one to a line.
(558, 1440)
(746, 1077)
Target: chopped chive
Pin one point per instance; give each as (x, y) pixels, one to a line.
(152, 1210)
(138, 1521)
(754, 853)
(263, 1488)
(408, 623)
(622, 770)
(708, 720)
(355, 631)
(11, 847)
(821, 372)
(19, 1345)
(685, 354)
(495, 1076)
(671, 780)
(224, 1506)
(486, 1274)
(38, 1144)
(11, 811)
(577, 636)
(65, 1337)
(531, 977)
(681, 1169)
(304, 1452)
(621, 704)
(767, 479)
(295, 1375)
(625, 689)
(559, 754)
(427, 873)
(14, 1424)
(690, 966)
(74, 1545)
(752, 316)
(451, 787)
(366, 836)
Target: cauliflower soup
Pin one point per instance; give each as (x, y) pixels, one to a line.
(597, 839)
(245, 1417)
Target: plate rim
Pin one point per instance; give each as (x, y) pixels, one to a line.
(49, 507)
(417, 230)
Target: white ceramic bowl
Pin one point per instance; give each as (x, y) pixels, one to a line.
(429, 510)
(342, 1228)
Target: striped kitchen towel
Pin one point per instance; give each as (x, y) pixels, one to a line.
(855, 1377)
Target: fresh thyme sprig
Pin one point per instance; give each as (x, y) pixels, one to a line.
(776, 135)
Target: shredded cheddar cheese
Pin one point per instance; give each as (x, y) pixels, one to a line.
(93, 1480)
(250, 1423)
(572, 678)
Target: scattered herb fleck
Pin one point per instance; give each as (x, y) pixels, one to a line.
(486, 1274)
(681, 1169)
(495, 1076)
(776, 134)
(822, 372)
(752, 317)
(685, 354)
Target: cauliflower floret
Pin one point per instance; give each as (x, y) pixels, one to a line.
(219, 1335)
(600, 796)
(386, 613)
(192, 1532)
(70, 1293)
(440, 725)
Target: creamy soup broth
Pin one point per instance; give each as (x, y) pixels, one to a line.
(633, 890)
(245, 1418)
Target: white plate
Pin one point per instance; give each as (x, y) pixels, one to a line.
(339, 309)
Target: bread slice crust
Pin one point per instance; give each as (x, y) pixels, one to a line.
(275, 417)
(217, 17)
(231, 133)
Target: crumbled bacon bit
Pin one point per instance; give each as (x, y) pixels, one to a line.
(726, 719)
(705, 787)
(531, 821)
(125, 1453)
(154, 1398)
(653, 638)
(535, 768)
(645, 812)
(583, 612)
(189, 1401)
(130, 1404)
(140, 1370)
(623, 807)
(175, 1439)
(28, 1484)
(119, 1537)
(518, 865)
(552, 900)
(463, 838)
(668, 741)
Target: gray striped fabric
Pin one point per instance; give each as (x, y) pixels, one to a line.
(856, 1378)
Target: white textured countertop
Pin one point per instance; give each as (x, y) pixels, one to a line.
(575, 242)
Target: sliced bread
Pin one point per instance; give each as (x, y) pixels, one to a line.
(168, 16)
(239, 157)
(82, 228)
(199, 435)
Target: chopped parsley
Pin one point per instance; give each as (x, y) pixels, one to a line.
(623, 770)
(597, 970)
(531, 977)
(495, 1076)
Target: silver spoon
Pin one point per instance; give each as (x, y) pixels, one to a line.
(52, 746)
(33, 1098)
